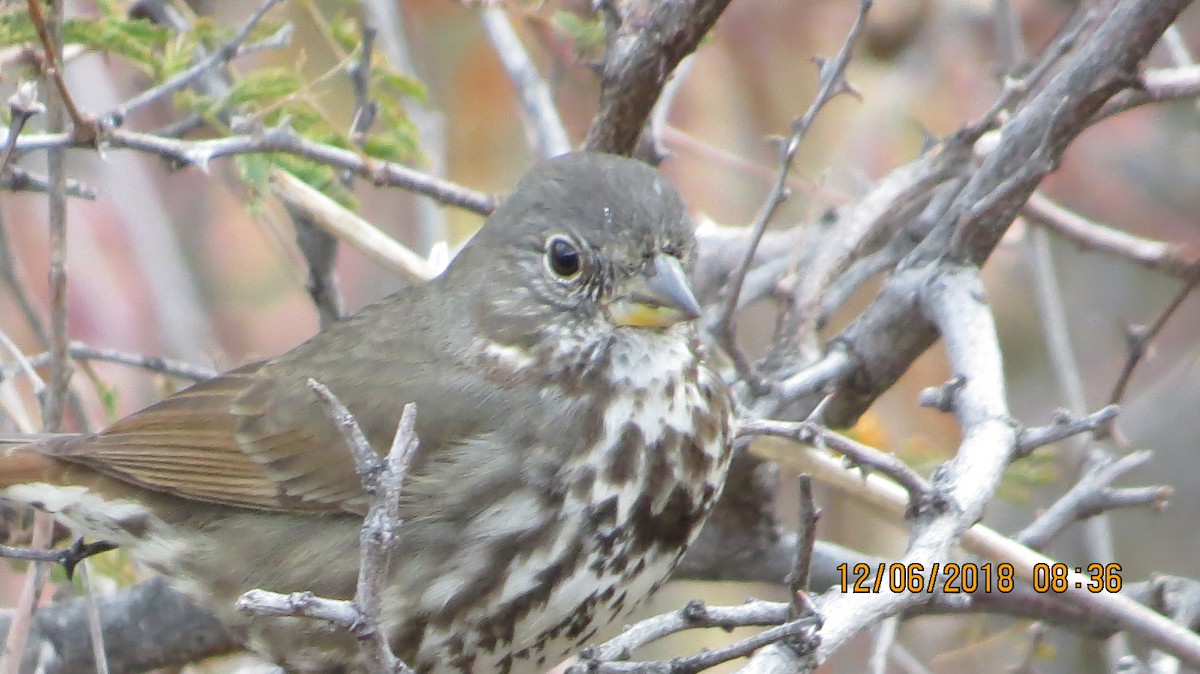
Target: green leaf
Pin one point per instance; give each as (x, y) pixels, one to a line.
(586, 33)
(398, 85)
(263, 87)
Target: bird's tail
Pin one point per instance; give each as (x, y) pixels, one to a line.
(23, 459)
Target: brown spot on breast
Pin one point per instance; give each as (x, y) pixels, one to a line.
(603, 513)
(696, 461)
(581, 485)
(669, 529)
(623, 461)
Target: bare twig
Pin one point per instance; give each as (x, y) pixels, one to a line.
(798, 579)
(652, 38)
(60, 364)
(384, 481)
(95, 633)
(200, 153)
(542, 123)
(833, 82)
(18, 179)
(116, 117)
(1178, 260)
(858, 454)
(167, 366)
(344, 225)
(50, 34)
(35, 577)
(1157, 85)
(22, 105)
(795, 631)
(1091, 495)
(1064, 427)
(1140, 339)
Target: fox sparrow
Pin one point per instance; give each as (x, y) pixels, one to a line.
(572, 442)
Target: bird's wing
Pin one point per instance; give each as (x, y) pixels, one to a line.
(257, 437)
(216, 442)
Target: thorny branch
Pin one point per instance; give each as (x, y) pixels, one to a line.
(384, 481)
(833, 82)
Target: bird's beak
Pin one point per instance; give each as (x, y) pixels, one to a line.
(658, 299)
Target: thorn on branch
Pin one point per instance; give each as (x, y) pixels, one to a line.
(1093, 495)
(69, 558)
(942, 398)
(1062, 427)
(384, 481)
(806, 538)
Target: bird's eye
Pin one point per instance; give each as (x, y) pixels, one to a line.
(563, 257)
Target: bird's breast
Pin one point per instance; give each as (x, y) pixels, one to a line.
(653, 455)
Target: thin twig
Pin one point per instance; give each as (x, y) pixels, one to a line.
(345, 225)
(384, 481)
(1139, 340)
(1064, 427)
(833, 82)
(1092, 494)
(95, 632)
(200, 153)
(22, 105)
(116, 117)
(167, 366)
(35, 577)
(806, 432)
(542, 123)
(60, 363)
(1178, 260)
(50, 34)
(807, 536)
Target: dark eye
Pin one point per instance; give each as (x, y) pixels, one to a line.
(563, 257)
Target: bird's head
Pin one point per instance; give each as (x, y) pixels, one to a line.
(588, 247)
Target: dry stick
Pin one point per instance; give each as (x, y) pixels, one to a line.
(35, 577)
(1098, 541)
(797, 580)
(1178, 260)
(1064, 427)
(1157, 85)
(116, 116)
(50, 35)
(346, 226)
(1091, 494)
(94, 630)
(806, 432)
(167, 366)
(651, 39)
(18, 179)
(542, 123)
(692, 616)
(199, 153)
(60, 374)
(384, 482)
(1139, 340)
(833, 82)
(22, 105)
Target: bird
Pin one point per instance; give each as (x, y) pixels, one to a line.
(573, 437)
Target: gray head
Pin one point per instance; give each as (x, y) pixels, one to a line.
(588, 245)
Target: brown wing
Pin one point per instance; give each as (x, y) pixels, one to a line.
(217, 441)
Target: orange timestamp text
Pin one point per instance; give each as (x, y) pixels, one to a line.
(969, 577)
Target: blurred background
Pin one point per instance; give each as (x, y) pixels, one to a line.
(174, 263)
